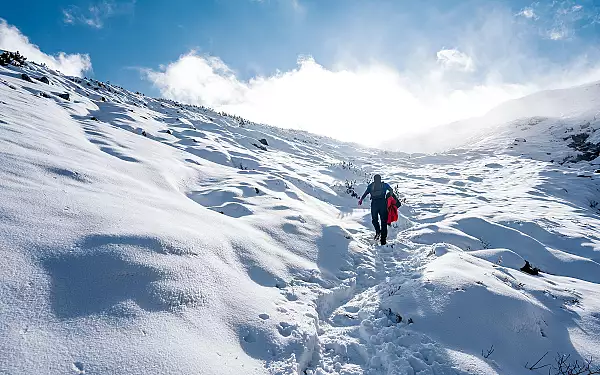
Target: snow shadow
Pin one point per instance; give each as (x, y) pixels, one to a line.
(114, 113)
(103, 278)
(577, 192)
(579, 246)
(545, 250)
(96, 283)
(494, 235)
(544, 326)
(149, 243)
(66, 173)
(333, 257)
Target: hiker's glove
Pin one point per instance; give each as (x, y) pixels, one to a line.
(360, 202)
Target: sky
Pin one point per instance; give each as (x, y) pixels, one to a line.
(357, 70)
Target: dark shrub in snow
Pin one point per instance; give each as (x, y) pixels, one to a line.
(394, 317)
(14, 58)
(566, 366)
(43, 80)
(528, 269)
(27, 78)
(263, 141)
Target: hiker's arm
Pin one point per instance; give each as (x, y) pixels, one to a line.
(366, 192)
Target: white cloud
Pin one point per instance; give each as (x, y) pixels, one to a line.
(367, 104)
(527, 13)
(558, 34)
(96, 15)
(12, 39)
(561, 20)
(368, 101)
(454, 59)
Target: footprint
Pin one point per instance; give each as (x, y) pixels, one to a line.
(78, 367)
(250, 337)
(264, 316)
(285, 329)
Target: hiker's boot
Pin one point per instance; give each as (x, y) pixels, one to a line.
(383, 241)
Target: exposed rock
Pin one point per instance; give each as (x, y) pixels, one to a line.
(43, 79)
(65, 96)
(263, 141)
(27, 78)
(589, 151)
(528, 269)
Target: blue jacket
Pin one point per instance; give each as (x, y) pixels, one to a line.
(386, 188)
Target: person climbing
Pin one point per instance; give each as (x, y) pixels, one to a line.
(379, 210)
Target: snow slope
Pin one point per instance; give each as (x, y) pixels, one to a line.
(144, 236)
(555, 105)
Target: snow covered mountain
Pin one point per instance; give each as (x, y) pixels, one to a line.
(143, 236)
(577, 105)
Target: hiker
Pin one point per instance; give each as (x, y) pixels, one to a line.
(379, 210)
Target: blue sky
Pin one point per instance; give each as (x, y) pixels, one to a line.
(263, 59)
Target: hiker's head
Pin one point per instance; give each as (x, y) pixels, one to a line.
(377, 178)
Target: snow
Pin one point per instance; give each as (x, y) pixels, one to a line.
(193, 250)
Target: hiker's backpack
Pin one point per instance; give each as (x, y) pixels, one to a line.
(377, 191)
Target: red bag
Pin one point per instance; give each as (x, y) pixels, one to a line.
(392, 208)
